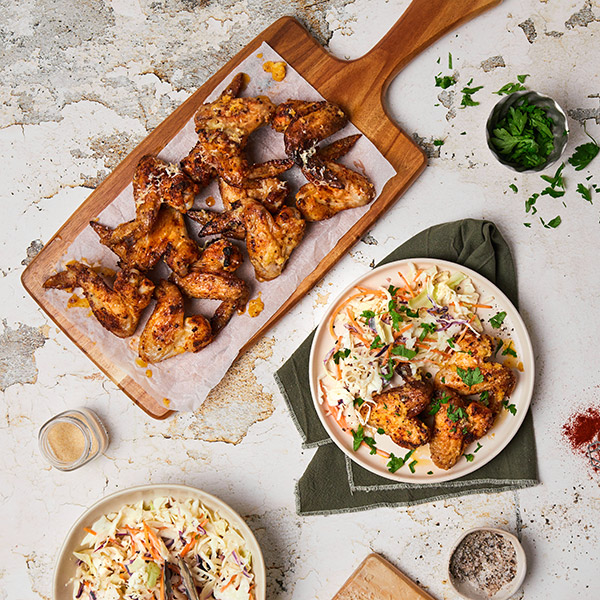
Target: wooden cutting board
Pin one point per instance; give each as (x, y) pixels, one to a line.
(377, 579)
(358, 86)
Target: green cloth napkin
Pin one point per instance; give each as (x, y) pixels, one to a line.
(332, 483)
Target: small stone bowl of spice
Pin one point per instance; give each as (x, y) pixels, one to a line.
(487, 563)
(527, 131)
(72, 439)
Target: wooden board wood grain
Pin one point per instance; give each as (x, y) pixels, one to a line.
(358, 86)
(377, 579)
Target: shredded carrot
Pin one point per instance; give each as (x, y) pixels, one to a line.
(462, 335)
(419, 271)
(383, 453)
(338, 309)
(204, 522)
(323, 390)
(189, 546)
(401, 331)
(407, 284)
(153, 538)
(359, 331)
(89, 530)
(228, 583)
(366, 290)
(162, 585)
(475, 305)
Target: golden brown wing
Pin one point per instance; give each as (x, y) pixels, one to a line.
(219, 255)
(448, 439)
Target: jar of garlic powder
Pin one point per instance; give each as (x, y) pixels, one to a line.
(72, 439)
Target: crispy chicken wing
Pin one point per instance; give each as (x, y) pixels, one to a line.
(223, 128)
(270, 240)
(232, 290)
(156, 182)
(167, 238)
(475, 352)
(396, 411)
(118, 309)
(304, 125)
(167, 333)
(229, 223)
(219, 256)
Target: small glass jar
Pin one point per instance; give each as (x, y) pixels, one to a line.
(72, 439)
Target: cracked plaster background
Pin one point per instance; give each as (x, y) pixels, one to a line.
(83, 82)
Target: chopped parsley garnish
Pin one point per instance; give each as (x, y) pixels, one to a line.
(524, 136)
(358, 402)
(377, 343)
(498, 346)
(470, 376)
(427, 328)
(511, 408)
(449, 60)
(467, 92)
(514, 188)
(455, 413)
(340, 354)
(509, 350)
(359, 436)
(444, 82)
(484, 398)
(411, 466)
(450, 343)
(396, 316)
(367, 314)
(380, 430)
(438, 142)
(469, 457)
(396, 462)
(369, 441)
(497, 320)
(387, 376)
(413, 314)
(404, 352)
(429, 472)
(479, 447)
(510, 88)
(553, 223)
(392, 290)
(527, 224)
(530, 202)
(586, 192)
(584, 155)
(436, 402)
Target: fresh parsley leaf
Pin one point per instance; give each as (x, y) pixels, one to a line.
(479, 447)
(514, 188)
(396, 462)
(358, 402)
(369, 441)
(484, 398)
(444, 82)
(455, 413)
(530, 202)
(411, 466)
(376, 343)
(584, 155)
(436, 403)
(586, 192)
(396, 316)
(469, 457)
(497, 320)
(510, 88)
(498, 346)
(438, 142)
(511, 408)
(359, 436)
(413, 314)
(467, 92)
(390, 368)
(367, 314)
(553, 223)
(404, 352)
(340, 354)
(427, 328)
(470, 376)
(380, 430)
(527, 224)
(509, 350)
(392, 290)
(522, 78)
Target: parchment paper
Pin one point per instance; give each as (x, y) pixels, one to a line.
(185, 380)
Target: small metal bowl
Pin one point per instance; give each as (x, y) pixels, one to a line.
(560, 129)
(466, 590)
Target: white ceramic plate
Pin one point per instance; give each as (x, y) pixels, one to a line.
(66, 562)
(506, 425)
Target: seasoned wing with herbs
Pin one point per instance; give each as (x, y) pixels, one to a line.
(319, 201)
(223, 128)
(167, 332)
(219, 255)
(271, 240)
(474, 353)
(231, 290)
(117, 309)
(168, 238)
(455, 425)
(396, 412)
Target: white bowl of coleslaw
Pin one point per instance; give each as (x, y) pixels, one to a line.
(141, 528)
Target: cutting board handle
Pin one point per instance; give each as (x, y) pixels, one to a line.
(422, 23)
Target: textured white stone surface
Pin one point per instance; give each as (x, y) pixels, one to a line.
(83, 82)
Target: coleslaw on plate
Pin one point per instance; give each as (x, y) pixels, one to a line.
(124, 554)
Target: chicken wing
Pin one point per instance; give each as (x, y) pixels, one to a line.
(271, 240)
(231, 290)
(229, 223)
(448, 439)
(118, 309)
(168, 238)
(219, 256)
(474, 353)
(223, 128)
(396, 411)
(167, 333)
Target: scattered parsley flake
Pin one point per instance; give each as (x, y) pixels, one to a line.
(584, 155)
(429, 472)
(444, 82)
(509, 350)
(510, 88)
(469, 457)
(396, 462)
(358, 436)
(392, 290)
(467, 92)
(380, 430)
(340, 354)
(411, 466)
(438, 142)
(511, 408)
(427, 328)
(586, 192)
(449, 60)
(479, 447)
(367, 314)
(530, 202)
(497, 320)
(498, 346)
(437, 402)
(358, 402)
(404, 352)
(483, 398)
(514, 188)
(527, 224)
(450, 343)
(553, 223)
(376, 343)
